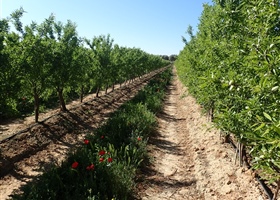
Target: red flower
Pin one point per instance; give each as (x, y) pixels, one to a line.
(90, 167)
(101, 159)
(139, 139)
(86, 141)
(110, 160)
(102, 153)
(75, 165)
(102, 137)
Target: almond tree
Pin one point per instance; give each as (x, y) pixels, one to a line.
(64, 41)
(32, 53)
(9, 70)
(118, 64)
(83, 60)
(34, 66)
(102, 47)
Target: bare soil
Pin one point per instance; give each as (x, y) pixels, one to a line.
(189, 160)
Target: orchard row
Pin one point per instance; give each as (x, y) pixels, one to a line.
(40, 60)
(231, 65)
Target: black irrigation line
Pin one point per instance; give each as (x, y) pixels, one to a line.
(146, 76)
(264, 186)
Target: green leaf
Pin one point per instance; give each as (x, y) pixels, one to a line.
(267, 116)
(260, 127)
(201, 86)
(263, 81)
(274, 88)
(266, 132)
(259, 118)
(277, 129)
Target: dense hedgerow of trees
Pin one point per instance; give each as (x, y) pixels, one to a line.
(231, 65)
(40, 60)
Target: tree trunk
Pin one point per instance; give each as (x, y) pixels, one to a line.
(82, 94)
(113, 86)
(61, 100)
(97, 91)
(36, 104)
(106, 90)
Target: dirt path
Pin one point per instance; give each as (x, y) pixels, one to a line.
(30, 153)
(189, 159)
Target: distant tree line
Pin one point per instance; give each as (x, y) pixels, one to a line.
(171, 58)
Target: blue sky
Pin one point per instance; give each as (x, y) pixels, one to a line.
(155, 26)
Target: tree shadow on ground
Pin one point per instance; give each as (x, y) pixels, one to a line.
(161, 142)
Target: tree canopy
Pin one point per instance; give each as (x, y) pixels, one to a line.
(40, 60)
